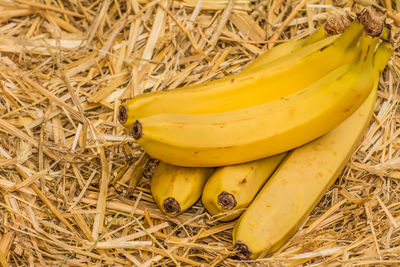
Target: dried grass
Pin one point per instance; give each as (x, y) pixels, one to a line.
(74, 186)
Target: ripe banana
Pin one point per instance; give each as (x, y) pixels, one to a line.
(264, 83)
(302, 179)
(176, 189)
(263, 130)
(334, 26)
(230, 189)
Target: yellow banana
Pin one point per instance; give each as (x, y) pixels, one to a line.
(334, 26)
(258, 171)
(176, 189)
(263, 130)
(230, 189)
(264, 83)
(302, 179)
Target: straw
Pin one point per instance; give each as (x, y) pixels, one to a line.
(74, 185)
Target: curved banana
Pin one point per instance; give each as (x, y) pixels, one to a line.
(176, 189)
(333, 26)
(302, 179)
(267, 82)
(230, 189)
(263, 130)
(282, 50)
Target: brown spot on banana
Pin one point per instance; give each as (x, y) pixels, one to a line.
(219, 124)
(325, 47)
(171, 206)
(226, 200)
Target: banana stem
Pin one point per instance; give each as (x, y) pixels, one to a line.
(337, 24)
(382, 56)
(387, 33)
(350, 36)
(373, 20)
(367, 48)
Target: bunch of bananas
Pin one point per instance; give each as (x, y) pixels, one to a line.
(293, 117)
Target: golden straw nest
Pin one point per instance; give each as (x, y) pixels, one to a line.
(74, 186)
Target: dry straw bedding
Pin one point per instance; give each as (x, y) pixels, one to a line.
(74, 187)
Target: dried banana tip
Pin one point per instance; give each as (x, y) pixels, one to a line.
(171, 206)
(337, 24)
(226, 200)
(122, 114)
(373, 20)
(242, 250)
(137, 130)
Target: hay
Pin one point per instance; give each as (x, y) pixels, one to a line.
(74, 186)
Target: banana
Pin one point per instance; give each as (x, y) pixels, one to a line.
(264, 83)
(302, 179)
(158, 102)
(230, 189)
(176, 189)
(256, 172)
(333, 26)
(284, 49)
(263, 130)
